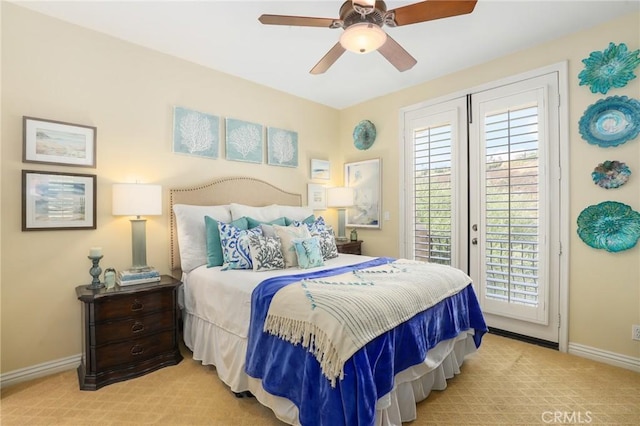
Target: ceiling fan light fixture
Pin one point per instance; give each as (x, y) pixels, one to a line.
(363, 38)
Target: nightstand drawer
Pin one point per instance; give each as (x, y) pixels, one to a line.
(133, 305)
(134, 350)
(349, 247)
(133, 328)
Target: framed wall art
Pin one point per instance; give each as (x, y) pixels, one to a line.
(316, 196)
(282, 147)
(57, 142)
(244, 141)
(320, 169)
(54, 200)
(365, 179)
(195, 133)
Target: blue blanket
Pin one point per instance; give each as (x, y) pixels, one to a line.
(293, 373)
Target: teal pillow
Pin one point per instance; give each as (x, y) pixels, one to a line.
(214, 246)
(308, 252)
(306, 220)
(253, 222)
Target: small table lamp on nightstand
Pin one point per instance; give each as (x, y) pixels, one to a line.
(135, 199)
(340, 198)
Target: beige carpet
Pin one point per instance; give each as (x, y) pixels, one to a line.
(506, 382)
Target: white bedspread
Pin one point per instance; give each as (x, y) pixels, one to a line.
(223, 298)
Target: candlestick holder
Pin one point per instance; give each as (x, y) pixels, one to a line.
(95, 272)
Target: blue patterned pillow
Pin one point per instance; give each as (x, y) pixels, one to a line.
(235, 246)
(266, 253)
(314, 226)
(308, 252)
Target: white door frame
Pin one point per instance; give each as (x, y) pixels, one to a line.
(562, 246)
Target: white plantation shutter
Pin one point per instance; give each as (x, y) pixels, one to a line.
(433, 194)
(512, 193)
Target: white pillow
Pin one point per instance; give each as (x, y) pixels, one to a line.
(192, 239)
(261, 214)
(295, 212)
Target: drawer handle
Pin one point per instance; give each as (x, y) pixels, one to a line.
(136, 305)
(137, 350)
(137, 327)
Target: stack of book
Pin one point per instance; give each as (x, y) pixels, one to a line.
(132, 276)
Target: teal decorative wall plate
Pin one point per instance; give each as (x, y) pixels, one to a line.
(611, 121)
(364, 134)
(611, 174)
(610, 68)
(610, 225)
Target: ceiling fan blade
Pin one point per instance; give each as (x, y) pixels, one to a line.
(430, 10)
(329, 59)
(298, 21)
(399, 58)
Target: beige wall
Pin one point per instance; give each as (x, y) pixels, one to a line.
(59, 71)
(604, 287)
(62, 72)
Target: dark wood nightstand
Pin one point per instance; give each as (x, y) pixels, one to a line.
(349, 247)
(128, 331)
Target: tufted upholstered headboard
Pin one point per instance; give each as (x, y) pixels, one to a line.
(241, 190)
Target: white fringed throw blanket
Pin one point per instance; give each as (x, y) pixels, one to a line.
(336, 316)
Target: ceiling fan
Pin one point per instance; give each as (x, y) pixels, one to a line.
(362, 21)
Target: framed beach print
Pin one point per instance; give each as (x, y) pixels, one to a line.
(364, 177)
(316, 196)
(54, 200)
(320, 169)
(56, 142)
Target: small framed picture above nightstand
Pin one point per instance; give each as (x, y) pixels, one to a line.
(349, 247)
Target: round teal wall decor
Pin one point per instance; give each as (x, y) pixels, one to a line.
(611, 121)
(364, 134)
(613, 67)
(610, 225)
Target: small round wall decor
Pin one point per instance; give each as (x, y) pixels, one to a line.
(610, 68)
(611, 121)
(364, 134)
(611, 174)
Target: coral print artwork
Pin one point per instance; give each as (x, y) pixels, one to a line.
(282, 147)
(195, 133)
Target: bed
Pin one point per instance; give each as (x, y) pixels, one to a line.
(225, 313)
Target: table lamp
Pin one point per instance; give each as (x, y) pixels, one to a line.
(136, 199)
(340, 197)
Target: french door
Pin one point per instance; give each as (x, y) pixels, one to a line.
(482, 193)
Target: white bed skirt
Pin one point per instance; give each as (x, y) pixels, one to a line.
(213, 345)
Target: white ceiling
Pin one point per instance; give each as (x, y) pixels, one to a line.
(226, 36)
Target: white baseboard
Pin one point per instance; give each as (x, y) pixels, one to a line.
(611, 358)
(40, 370)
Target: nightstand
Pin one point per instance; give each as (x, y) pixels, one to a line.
(349, 247)
(128, 331)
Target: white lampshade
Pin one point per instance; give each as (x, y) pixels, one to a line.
(340, 197)
(136, 199)
(363, 38)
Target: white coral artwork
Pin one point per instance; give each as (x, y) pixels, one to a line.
(244, 141)
(195, 133)
(283, 147)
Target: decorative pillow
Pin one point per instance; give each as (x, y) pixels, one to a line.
(316, 225)
(254, 222)
(262, 214)
(309, 219)
(191, 232)
(308, 252)
(214, 246)
(295, 212)
(235, 246)
(327, 243)
(287, 234)
(266, 253)
(267, 230)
